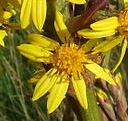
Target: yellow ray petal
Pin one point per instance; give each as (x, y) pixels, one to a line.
(105, 24)
(57, 93)
(77, 1)
(118, 78)
(2, 35)
(41, 40)
(124, 47)
(7, 15)
(99, 71)
(80, 91)
(36, 77)
(100, 93)
(107, 45)
(59, 33)
(90, 34)
(34, 13)
(44, 84)
(25, 13)
(39, 8)
(34, 50)
(59, 21)
(89, 45)
(60, 27)
(41, 13)
(35, 58)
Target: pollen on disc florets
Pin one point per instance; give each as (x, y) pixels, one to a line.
(69, 59)
(123, 23)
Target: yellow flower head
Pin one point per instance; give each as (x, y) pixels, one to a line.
(69, 58)
(123, 23)
(108, 27)
(71, 64)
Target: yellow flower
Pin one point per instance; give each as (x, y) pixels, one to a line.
(6, 11)
(71, 65)
(33, 10)
(107, 27)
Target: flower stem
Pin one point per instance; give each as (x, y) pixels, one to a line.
(92, 113)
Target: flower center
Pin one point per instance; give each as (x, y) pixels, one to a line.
(123, 23)
(69, 59)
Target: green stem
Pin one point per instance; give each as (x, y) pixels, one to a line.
(92, 113)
